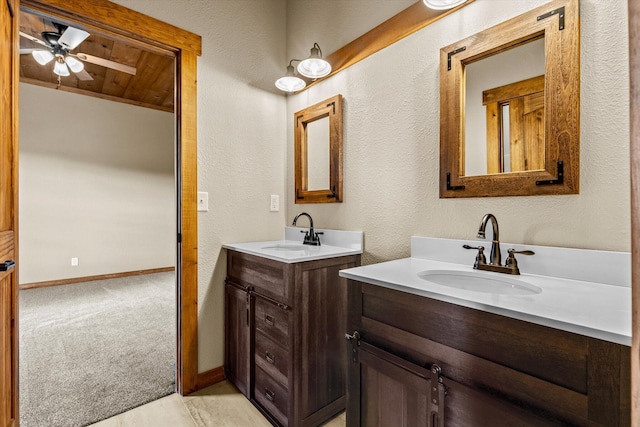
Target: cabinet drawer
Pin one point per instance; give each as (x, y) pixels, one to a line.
(272, 320)
(271, 357)
(268, 277)
(272, 396)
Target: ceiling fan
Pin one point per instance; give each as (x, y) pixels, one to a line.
(59, 46)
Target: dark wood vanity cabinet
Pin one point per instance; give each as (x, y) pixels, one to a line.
(419, 361)
(284, 336)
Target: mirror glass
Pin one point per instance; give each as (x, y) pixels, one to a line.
(496, 88)
(318, 154)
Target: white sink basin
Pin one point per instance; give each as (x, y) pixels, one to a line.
(288, 247)
(491, 283)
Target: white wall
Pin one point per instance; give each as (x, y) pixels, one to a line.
(241, 136)
(391, 142)
(97, 183)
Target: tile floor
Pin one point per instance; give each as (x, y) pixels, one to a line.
(219, 405)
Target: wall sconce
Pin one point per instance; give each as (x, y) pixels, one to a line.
(290, 82)
(314, 67)
(443, 4)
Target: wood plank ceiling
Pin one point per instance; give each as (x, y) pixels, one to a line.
(151, 87)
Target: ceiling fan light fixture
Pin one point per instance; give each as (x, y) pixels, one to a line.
(42, 57)
(443, 4)
(314, 66)
(75, 65)
(60, 68)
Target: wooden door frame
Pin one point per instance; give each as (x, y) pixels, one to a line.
(634, 118)
(123, 22)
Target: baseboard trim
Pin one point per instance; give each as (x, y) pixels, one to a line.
(92, 278)
(210, 377)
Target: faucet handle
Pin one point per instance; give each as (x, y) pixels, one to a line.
(480, 258)
(511, 261)
(512, 251)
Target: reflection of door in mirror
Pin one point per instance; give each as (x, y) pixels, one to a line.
(504, 119)
(317, 133)
(515, 126)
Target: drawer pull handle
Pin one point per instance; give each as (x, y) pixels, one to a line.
(269, 395)
(268, 320)
(269, 357)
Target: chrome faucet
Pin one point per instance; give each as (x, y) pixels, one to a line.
(495, 257)
(311, 237)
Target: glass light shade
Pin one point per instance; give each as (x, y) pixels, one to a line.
(42, 57)
(60, 68)
(314, 68)
(443, 4)
(75, 65)
(290, 82)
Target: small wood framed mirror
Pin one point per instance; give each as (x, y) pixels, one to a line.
(510, 107)
(318, 152)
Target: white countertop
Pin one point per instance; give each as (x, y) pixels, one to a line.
(335, 243)
(599, 310)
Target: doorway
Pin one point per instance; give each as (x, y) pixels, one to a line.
(101, 15)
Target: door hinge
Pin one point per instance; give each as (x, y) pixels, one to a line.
(436, 397)
(354, 339)
(179, 237)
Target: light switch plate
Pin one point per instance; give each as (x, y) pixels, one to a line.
(203, 201)
(275, 203)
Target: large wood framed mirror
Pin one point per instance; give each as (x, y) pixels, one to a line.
(318, 152)
(510, 107)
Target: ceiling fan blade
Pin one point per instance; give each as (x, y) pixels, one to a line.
(24, 51)
(72, 37)
(33, 39)
(106, 63)
(83, 75)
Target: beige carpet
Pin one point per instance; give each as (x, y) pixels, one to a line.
(92, 350)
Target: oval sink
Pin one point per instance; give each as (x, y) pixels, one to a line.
(287, 247)
(480, 282)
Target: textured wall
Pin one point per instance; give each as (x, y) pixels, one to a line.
(334, 23)
(97, 183)
(391, 143)
(241, 136)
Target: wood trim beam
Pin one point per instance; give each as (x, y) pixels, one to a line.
(405, 23)
(121, 20)
(188, 223)
(73, 280)
(634, 98)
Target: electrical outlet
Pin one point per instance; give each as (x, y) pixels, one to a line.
(74, 261)
(275, 203)
(203, 201)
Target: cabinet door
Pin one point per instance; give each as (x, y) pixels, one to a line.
(237, 349)
(391, 391)
(386, 391)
